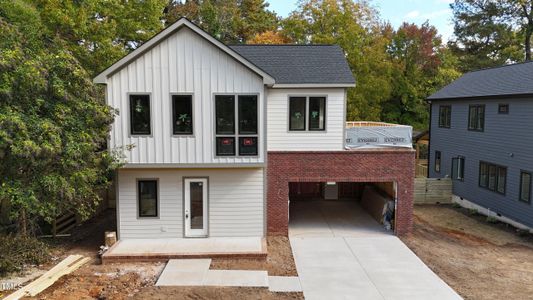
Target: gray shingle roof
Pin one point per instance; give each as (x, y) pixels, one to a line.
(300, 64)
(516, 79)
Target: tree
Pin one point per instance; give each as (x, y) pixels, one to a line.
(418, 58)
(53, 126)
(269, 37)
(231, 21)
(357, 29)
(491, 32)
(99, 32)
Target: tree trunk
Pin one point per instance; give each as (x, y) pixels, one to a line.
(23, 223)
(528, 44)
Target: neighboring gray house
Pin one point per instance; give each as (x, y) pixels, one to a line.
(481, 137)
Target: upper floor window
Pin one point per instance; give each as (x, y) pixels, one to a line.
(476, 117)
(458, 168)
(445, 116)
(503, 109)
(307, 113)
(140, 123)
(147, 198)
(437, 161)
(182, 122)
(525, 186)
(492, 177)
(228, 132)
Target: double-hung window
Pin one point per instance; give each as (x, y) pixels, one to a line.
(458, 168)
(445, 116)
(182, 121)
(476, 117)
(140, 123)
(307, 113)
(236, 122)
(147, 197)
(525, 186)
(492, 177)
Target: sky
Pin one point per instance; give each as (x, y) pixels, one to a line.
(438, 12)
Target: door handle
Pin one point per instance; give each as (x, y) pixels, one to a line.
(186, 215)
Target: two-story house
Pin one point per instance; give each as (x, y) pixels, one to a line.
(213, 135)
(479, 137)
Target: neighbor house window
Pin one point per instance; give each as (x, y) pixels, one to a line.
(458, 168)
(503, 108)
(236, 123)
(445, 116)
(307, 113)
(492, 177)
(140, 115)
(182, 115)
(525, 186)
(147, 198)
(437, 161)
(476, 117)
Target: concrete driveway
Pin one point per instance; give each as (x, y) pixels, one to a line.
(338, 261)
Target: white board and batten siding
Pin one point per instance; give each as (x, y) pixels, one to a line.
(279, 137)
(182, 63)
(235, 203)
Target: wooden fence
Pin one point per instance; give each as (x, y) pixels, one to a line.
(433, 190)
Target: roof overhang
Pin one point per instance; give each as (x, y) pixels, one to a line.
(183, 22)
(311, 85)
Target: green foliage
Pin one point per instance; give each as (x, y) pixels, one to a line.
(18, 252)
(53, 125)
(491, 33)
(492, 220)
(231, 21)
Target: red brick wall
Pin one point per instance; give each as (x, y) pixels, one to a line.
(382, 165)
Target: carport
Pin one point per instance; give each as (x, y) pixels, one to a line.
(339, 209)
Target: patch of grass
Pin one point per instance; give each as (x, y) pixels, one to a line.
(491, 219)
(456, 205)
(18, 252)
(473, 212)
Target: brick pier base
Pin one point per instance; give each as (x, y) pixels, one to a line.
(374, 165)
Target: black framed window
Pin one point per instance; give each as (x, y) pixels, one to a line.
(317, 113)
(458, 168)
(247, 114)
(297, 107)
(445, 116)
(525, 186)
(437, 161)
(492, 177)
(476, 117)
(182, 119)
(225, 146)
(140, 123)
(503, 109)
(244, 131)
(225, 114)
(147, 198)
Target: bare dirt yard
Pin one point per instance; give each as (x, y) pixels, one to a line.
(477, 258)
(137, 280)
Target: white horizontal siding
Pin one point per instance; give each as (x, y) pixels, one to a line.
(235, 202)
(182, 63)
(280, 139)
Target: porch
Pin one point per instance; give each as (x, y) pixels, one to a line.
(167, 248)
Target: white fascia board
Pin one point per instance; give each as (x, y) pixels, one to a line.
(102, 77)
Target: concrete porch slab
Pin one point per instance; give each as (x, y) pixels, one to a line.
(164, 249)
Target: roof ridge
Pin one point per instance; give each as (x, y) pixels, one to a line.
(502, 66)
(232, 45)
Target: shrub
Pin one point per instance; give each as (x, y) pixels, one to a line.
(17, 252)
(491, 219)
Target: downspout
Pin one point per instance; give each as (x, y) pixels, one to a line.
(429, 136)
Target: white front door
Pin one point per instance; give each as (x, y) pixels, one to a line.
(195, 212)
